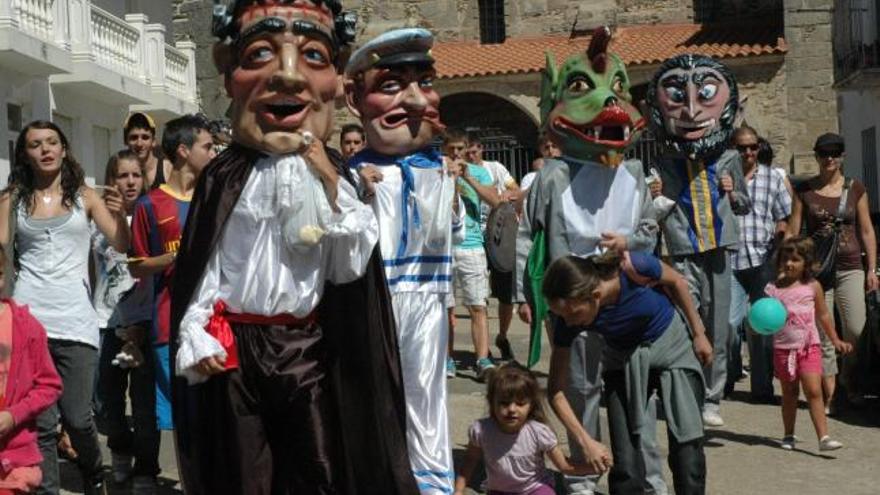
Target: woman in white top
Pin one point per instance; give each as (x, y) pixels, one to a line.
(44, 215)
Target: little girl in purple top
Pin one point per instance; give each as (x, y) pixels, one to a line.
(514, 440)
(797, 357)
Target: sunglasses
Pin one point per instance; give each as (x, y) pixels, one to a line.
(829, 153)
(742, 148)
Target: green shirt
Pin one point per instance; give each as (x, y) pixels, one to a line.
(473, 237)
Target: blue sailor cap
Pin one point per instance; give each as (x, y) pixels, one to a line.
(396, 47)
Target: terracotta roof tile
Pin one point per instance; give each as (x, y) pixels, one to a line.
(637, 45)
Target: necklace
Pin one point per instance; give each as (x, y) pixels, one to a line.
(46, 197)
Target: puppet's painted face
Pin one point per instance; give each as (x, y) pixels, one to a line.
(282, 79)
(693, 103)
(398, 107)
(589, 110)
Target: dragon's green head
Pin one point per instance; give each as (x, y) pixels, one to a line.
(586, 107)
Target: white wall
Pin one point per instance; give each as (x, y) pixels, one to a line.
(859, 110)
(33, 96)
(96, 130)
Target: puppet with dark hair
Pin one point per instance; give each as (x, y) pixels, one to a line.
(284, 344)
(587, 201)
(693, 103)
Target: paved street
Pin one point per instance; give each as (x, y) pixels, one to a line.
(743, 456)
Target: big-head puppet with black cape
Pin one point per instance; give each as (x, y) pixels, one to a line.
(284, 347)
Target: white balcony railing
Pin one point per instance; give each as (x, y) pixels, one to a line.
(130, 47)
(35, 17)
(175, 70)
(114, 42)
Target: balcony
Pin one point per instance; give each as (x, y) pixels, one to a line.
(31, 41)
(856, 44)
(91, 52)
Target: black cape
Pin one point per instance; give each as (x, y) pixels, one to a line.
(357, 319)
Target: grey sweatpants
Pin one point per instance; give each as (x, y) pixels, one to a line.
(584, 394)
(708, 276)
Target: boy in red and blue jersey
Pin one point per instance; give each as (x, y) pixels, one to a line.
(158, 223)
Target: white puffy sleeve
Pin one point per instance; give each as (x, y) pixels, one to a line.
(350, 236)
(195, 343)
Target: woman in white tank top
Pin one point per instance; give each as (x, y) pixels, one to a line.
(44, 219)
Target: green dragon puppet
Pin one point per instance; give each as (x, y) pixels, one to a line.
(591, 198)
(586, 106)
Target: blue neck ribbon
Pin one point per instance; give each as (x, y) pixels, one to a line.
(425, 159)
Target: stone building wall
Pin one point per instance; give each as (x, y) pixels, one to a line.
(812, 100)
(459, 19)
(790, 99)
(192, 21)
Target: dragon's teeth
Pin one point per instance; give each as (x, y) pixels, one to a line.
(626, 132)
(598, 129)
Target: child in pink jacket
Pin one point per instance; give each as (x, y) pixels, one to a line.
(29, 385)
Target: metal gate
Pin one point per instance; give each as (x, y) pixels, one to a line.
(517, 157)
(501, 147)
(506, 149)
(647, 149)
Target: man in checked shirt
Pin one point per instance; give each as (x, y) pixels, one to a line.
(759, 231)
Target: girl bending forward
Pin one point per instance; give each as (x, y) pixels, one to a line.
(630, 300)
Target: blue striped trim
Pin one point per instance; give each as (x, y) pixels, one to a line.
(439, 474)
(420, 278)
(426, 486)
(418, 259)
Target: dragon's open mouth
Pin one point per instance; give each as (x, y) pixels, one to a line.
(609, 133)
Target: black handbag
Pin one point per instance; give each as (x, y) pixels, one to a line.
(826, 248)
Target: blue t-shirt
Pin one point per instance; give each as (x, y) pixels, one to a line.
(473, 237)
(641, 313)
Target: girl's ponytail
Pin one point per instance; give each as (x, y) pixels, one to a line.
(571, 277)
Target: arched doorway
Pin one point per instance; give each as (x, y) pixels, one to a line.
(509, 134)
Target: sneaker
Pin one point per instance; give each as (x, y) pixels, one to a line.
(504, 348)
(450, 368)
(788, 442)
(121, 464)
(826, 444)
(95, 487)
(712, 418)
(144, 485)
(484, 367)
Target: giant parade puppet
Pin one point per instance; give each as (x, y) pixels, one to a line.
(281, 318)
(389, 87)
(694, 103)
(589, 200)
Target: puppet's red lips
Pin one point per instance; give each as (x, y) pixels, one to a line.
(612, 129)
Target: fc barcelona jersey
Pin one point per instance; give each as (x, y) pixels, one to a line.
(159, 218)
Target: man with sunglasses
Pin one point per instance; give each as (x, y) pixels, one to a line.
(759, 229)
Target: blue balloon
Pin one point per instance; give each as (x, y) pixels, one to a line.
(767, 315)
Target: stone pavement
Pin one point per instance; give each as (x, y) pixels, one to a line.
(742, 457)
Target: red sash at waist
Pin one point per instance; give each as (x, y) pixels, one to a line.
(219, 328)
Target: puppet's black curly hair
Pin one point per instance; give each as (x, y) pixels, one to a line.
(712, 143)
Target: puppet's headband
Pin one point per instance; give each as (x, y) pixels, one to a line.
(227, 14)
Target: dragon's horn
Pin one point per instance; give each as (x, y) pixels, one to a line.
(597, 53)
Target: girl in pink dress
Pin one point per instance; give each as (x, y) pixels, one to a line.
(514, 439)
(797, 355)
